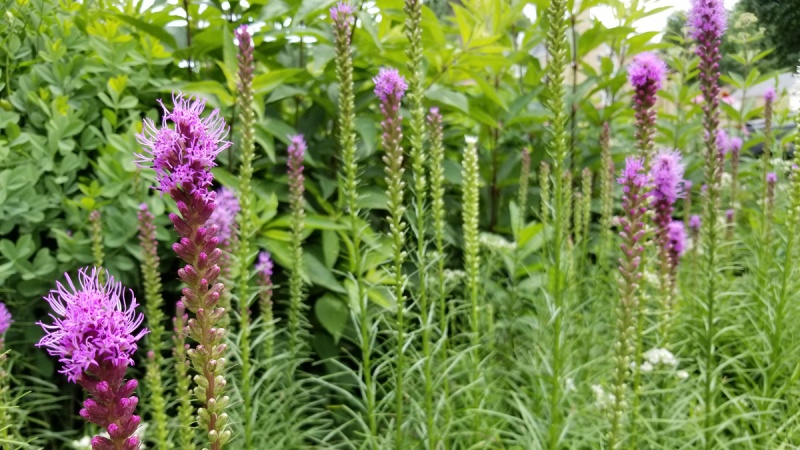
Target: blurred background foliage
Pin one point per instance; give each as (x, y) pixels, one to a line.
(77, 78)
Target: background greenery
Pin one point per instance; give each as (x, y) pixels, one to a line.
(77, 78)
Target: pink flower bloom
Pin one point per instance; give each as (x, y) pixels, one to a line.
(667, 175)
(5, 319)
(708, 19)
(769, 96)
(92, 324)
(647, 72)
(694, 223)
(772, 178)
(184, 154)
(341, 12)
(676, 236)
(735, 145)
(265, 265)
(224, 216)
(390, 86)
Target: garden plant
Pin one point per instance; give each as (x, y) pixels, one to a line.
(396, 224)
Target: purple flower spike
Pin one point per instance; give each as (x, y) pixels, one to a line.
(5, 319)
(632, 175)
(667, 175)
(708, 19)
(694, 223)
(647, 72)
(676, 235)
(772, 178)
(735, 145)
(723, 142)
(93, 324)
(243, 35)
(729, 215)
(265, 265)
(224, 216)
(296, 150)
(94, 335)
(182, 156)
(341, 12)
(390, 86)
(769, 96)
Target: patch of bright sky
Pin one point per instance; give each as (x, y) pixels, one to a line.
(655, 22)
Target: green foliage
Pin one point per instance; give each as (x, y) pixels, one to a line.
(516, 347)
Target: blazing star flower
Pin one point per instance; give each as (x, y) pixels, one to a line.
(341, 12)
(770, 95)
(729, 215)
(224, 216)
(694, 223)
(93, 324)
(667, 175)
(5, 318)
(265, 265)
(647, 72)
(735, 145)
(772, 178)
(183, 155)
(632, 175)
(708, 19)
(390, 86)
(676, 236)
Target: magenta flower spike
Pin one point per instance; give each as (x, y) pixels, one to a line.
(646, 74)
(342, 15)
(94, 335)
(182, 156)
(5, 322)
(296, 151)
(633, 181)
(694, 223)
(770, 95)
(264, 268)
(667, 178)
(224, 216)
(677, 238)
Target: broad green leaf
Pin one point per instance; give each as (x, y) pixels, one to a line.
(333, 314)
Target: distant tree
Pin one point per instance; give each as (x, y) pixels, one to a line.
(781, 22)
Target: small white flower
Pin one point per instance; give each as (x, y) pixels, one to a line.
(495, 242)
(660, 356)
(646, 367)
(682, 374)
(569, 385)
(602, 399)
(471, 139)
(726, 180)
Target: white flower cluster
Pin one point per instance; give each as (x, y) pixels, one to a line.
(602, 399)
(454, 276)
(495, 242)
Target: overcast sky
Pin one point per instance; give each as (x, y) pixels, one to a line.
(656, 22)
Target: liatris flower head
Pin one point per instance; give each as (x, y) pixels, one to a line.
(676, 236)
(770, 95)
(708, 19)
(390, 86)
(243, 36)
(265, 266)
(694, 223)
(632, 175)
(93, 325)
(183, 155)
(296, 150)
(735, 145)
(5, 319)
(342, 13)
(434, 115)
(647, 72)
(772, 178)
(723, 142)
(687, 185)
(667, 175)
(729, 215)
(224, 216)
